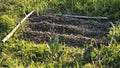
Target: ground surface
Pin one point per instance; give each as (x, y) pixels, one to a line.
(72, 31)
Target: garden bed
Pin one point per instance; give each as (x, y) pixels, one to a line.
(70, 30)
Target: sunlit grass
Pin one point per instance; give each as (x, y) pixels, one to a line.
(21, 53)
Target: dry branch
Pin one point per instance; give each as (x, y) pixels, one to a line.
(113, 32)
(13, 31)
(83, 17)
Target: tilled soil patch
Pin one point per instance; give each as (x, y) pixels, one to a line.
(72, 31)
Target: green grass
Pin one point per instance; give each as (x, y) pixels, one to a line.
(20, 53)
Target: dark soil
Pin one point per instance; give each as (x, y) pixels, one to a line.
(72, 31)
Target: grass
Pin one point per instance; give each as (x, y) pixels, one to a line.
(20, 53)
(28, 53)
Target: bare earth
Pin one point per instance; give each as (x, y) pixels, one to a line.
(72, 31)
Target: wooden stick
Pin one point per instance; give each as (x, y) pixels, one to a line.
(13, 31)
(113, 33)
(83, 17)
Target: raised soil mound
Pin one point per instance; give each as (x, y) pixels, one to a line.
(70, 30)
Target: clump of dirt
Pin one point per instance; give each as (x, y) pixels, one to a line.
(72, 31)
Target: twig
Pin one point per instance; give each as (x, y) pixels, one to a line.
(37, 11)
(84, 17)
(13, 31)
(113, 32)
